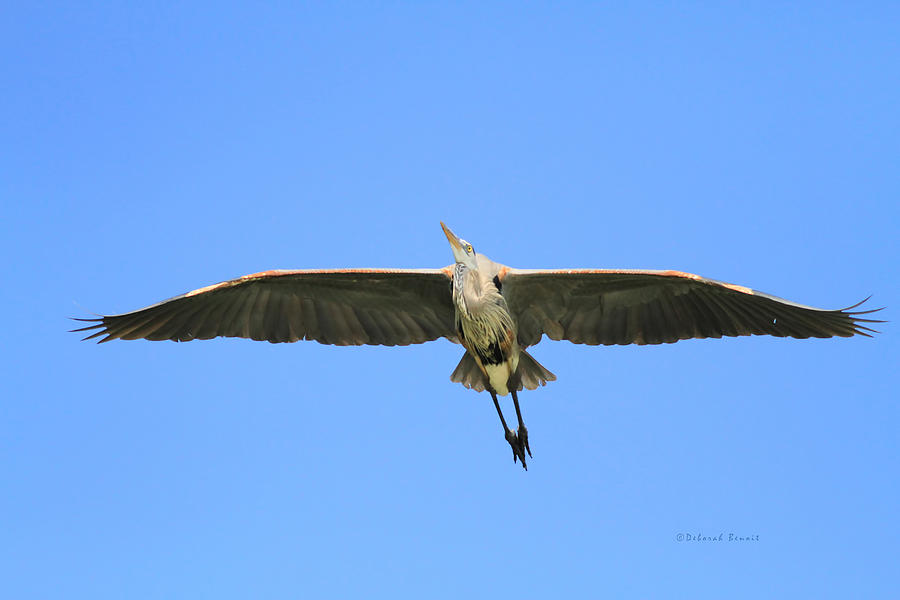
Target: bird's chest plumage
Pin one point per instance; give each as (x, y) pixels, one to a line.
(484, 338)
(488, 332)
(495, 350)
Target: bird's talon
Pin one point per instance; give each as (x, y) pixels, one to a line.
(511, 438)
(522, 436)
(514, 443)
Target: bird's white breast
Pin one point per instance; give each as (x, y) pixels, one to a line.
(498, 375)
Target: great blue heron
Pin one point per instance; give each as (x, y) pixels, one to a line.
(494, 311)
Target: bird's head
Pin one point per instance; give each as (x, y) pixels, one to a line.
(462, 250)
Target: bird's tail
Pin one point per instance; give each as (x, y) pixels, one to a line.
(468, 374)
(530, 373)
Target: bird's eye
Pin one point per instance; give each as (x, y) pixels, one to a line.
(469, 248)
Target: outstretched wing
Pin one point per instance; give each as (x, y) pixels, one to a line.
(654, 307)
(390, 307)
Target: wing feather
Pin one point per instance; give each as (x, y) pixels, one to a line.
(343, 307)
(651, 307)
(309, 319)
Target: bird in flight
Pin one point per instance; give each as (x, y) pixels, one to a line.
(495, 312)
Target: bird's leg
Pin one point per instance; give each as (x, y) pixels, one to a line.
(510, 436)
(522, 432)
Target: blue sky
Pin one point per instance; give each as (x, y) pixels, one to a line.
(151, 150)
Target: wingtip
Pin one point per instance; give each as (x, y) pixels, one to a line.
(854, 315)
(95, 323)
(849, 309)
(88, 327)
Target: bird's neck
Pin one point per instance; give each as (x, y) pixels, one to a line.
(472, 295)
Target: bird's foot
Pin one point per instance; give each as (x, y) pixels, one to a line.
(516, 445)
(522, 435)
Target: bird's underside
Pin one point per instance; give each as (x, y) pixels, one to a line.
(397, 307)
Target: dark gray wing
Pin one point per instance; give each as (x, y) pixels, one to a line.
(605, 306)
(390, 307)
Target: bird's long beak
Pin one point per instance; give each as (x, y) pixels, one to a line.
(454, 241)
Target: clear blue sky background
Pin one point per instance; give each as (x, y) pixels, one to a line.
(150, 150)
